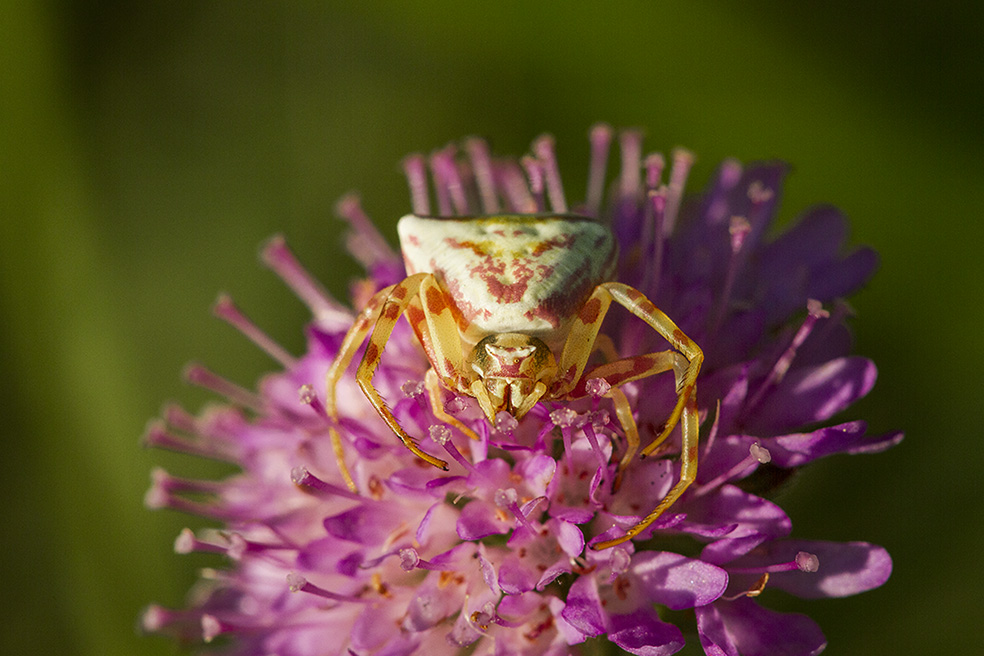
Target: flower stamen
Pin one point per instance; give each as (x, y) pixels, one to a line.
(298, 583)
(325, 309)
(415, 170)
(757, 455)
(546, 153)
(601, 142)
(302, 478)
(481, 162)
(815, 312)
(226, 310)
(201, 376)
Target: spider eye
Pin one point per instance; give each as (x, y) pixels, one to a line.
(509, 353)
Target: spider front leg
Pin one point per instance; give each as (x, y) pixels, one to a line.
(350, 344)
(685, 362)
(386, 307)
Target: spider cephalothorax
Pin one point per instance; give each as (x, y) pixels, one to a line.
(508, 310)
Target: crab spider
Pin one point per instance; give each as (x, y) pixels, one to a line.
(508, 309)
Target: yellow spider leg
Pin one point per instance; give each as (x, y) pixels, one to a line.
(430, 315)
(686, 380)
(622, 371)
(625, 370)
(437, 407)
(685, 364)
(688, 474)
(353, 340)
(397, 302)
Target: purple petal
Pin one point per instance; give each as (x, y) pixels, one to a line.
(676, 581)
(750, 630)
(813, 394)
(537, 472)
(800, 448)
(569, 537)
(713, 632)
(877, 444)
(479, 520)
(402, 645)
(488, 571)
(839, 279)
(643, 633)
(368, 524)
(583, 610)
(515, 577)
(374, 626)
(815, 238)
(755, 517)
(430, 605)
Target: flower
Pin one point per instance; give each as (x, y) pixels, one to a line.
(494, 556)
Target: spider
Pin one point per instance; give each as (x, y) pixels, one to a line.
(508, 310)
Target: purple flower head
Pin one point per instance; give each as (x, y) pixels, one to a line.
(337, 539)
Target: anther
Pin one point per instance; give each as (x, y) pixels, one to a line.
(411, 560)
(413, 389)
(187, 542)
(597, 387)
(439, 433)
(308, 396)
(508, 499)
(211, 627)
(563, 417)
(505, 422)
(654, 164)
(455, 405)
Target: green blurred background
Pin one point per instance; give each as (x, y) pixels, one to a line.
(147, 149)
